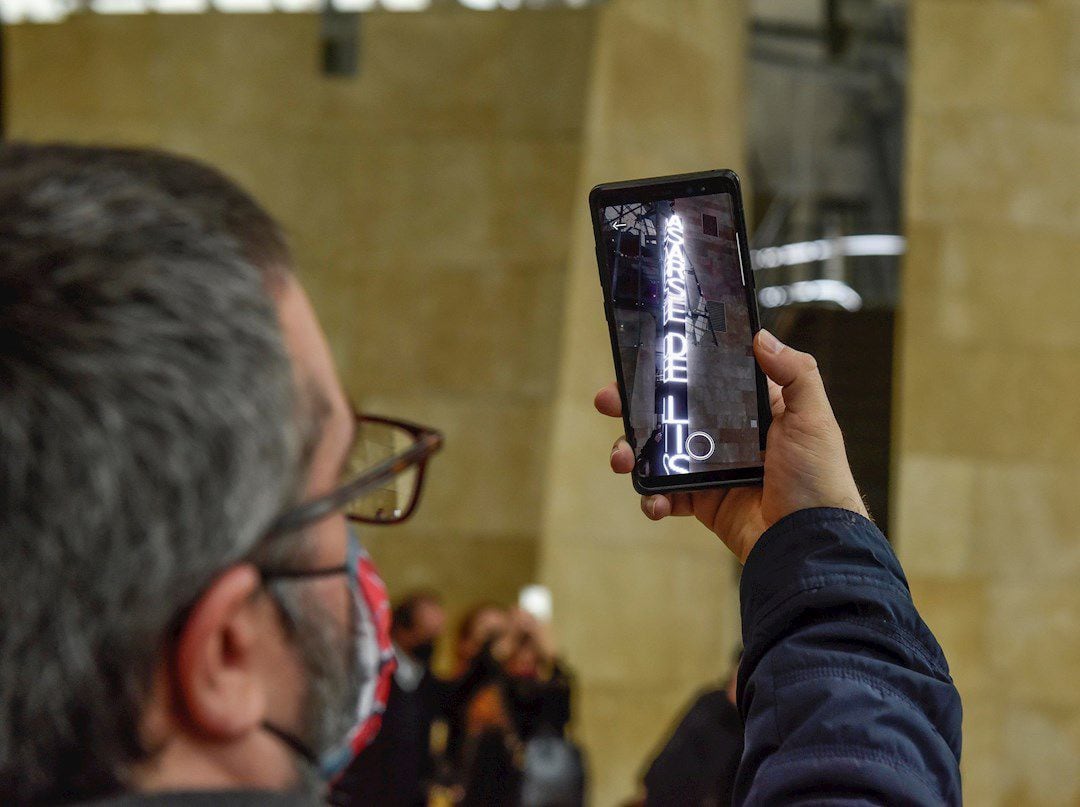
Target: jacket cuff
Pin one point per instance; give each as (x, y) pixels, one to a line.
(819, 557)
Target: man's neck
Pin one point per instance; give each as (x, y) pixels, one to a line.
(258, 762)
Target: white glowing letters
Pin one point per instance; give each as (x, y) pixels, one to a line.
(675, 303)
(674, 416)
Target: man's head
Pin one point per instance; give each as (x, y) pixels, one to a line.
(165, 393)
(214, 201)
(419, 621)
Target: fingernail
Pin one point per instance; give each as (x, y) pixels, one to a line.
(652, 508)
(770, 342)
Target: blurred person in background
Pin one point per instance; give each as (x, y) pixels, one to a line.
(697, 765)
(397, 769)
(514, 749)
(417, 624)
(507, 655)
(536, 687)
(188, 617)
(474, 668)
(538, 694)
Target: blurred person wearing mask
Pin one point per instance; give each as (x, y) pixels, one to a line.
(697, 765)
(497, 645)
(188, 617)
(536, 687)
(844, 692)
(417, 625)
(515, 749)
(475, 668)
(397, 768)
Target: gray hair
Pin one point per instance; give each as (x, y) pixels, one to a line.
(148, 437)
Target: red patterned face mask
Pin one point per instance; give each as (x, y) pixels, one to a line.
(375, 658)
(374, 665)
(378, 656)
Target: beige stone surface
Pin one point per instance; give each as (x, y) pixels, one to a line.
(958, 608)
(990, 166)
(985, 779)
(1027, 73)
(977, 270)
(623, 755)
(1026, 516)
(936, 513)
(652, 613)
(988, 438)
(1037, 649)
(1002, 403)
(1043, 746)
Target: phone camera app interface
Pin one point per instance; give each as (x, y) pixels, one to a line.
(677, 286)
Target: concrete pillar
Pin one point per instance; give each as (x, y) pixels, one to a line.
(988, 436)
(646, 613)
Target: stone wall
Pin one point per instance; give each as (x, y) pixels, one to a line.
(987, 520)
(428, 199)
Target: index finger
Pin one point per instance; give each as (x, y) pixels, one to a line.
(608, 402)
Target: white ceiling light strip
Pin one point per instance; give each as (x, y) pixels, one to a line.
(811, 291)
(825, 248)
(47, 11)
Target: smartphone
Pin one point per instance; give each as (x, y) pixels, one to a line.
(536, 600)
(682, 314)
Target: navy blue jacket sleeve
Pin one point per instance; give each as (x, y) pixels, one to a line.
(845, 693)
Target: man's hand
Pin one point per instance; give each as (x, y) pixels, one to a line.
(805, 462)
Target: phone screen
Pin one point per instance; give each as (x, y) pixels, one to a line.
(684, 319)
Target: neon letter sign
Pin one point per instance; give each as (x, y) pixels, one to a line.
(674, 376)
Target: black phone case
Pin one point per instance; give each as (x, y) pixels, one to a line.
(719, 181)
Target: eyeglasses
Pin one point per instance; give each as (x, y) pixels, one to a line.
(384, 473)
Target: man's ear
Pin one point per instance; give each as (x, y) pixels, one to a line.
(219, 683)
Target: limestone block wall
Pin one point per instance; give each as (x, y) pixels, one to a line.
(987, 520)
(647, 612)
(428, 200)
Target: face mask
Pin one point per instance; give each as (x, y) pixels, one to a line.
(375, 657)
(374, 665)
(423, 653)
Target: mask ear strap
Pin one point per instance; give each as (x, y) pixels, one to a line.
(293, 744)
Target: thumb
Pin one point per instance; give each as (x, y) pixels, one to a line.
(795, 372)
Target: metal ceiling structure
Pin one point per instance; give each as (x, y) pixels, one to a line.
(827, 89)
